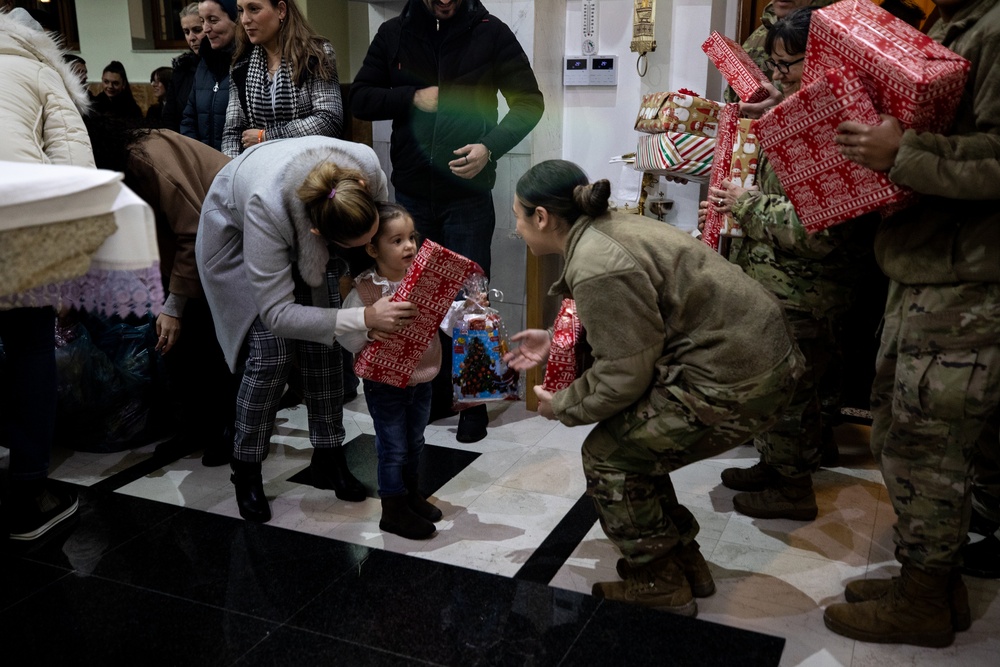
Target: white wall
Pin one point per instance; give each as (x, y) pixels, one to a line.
(598, 121)
(106, 28)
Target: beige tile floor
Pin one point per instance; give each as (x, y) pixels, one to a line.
(772, 576)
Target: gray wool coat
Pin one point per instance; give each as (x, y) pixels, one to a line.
(254, 228)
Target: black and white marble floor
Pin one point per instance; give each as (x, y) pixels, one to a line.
(158, 568)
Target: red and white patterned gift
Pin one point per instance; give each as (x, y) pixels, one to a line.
(797, 138)
(738, 68)
(560, 370)
(681, 111)
(432, 282)
(908, 75)
(736, 153)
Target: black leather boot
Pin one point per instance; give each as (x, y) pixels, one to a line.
(329, 471)
(472, 424)
(250, 496)
(399, 519)
(420, 506)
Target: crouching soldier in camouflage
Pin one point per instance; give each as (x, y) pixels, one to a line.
(815, 277)
(691, 357)
(937, 379)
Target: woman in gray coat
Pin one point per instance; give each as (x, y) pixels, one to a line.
(266, 252)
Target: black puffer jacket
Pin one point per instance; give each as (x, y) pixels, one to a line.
(205, 115)
(180, 89)
(469, 57)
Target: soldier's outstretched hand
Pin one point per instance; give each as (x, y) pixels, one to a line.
(532, 350)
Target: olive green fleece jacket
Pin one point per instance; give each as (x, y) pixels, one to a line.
(953, 233)
(659, 308)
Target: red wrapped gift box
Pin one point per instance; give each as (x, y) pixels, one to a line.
(797, 137)
(432, 282)
(738, 68)
(560, 370)
(735, 159)
(908, 75)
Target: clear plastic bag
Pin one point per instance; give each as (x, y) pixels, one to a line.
(479, 342)
(110, 382)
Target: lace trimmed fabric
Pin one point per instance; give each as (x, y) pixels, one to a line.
(123, 277)
(106, 292)
(388, 287)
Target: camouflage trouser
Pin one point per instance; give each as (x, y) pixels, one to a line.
(937, 384)
(793, 445)
(627, 459)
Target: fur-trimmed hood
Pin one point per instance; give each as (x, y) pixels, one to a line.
(19, 38)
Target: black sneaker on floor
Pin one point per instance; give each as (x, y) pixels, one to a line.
(32, 518)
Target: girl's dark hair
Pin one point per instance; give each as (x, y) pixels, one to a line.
(563, 189)
(387, 211)
(793, 30)
(162, 74)
(349, 213)
(358, 258)
(116, 67)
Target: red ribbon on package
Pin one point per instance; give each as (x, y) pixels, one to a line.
(738, 68)
(560, 370)
(432, 282)
(907, 74)
(797, 137)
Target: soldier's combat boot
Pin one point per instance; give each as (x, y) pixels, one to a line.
(863, 590)
(658, 585)
(915, 611)
(696, 570)
(757, 477)
(793, 498)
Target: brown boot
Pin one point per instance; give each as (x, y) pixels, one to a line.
(915, 611)
(863, 590)
(792, 498)
(696, 570)
(757, 477)
(659, 585)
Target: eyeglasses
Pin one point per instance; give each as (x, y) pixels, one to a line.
(782, 67)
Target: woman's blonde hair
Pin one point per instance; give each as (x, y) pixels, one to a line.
(301, 46)
(338, 203)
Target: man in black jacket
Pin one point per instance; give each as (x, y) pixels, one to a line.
(435, 70)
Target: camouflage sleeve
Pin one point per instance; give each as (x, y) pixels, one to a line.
(771, 218)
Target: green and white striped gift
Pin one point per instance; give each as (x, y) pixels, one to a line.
(676, 153)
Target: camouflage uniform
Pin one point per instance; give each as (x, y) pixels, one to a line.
(938, 376)
(627, 458)
(815, 277)
(690, 358)
(937, 385)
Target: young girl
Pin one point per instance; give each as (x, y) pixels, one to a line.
(399, 415)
